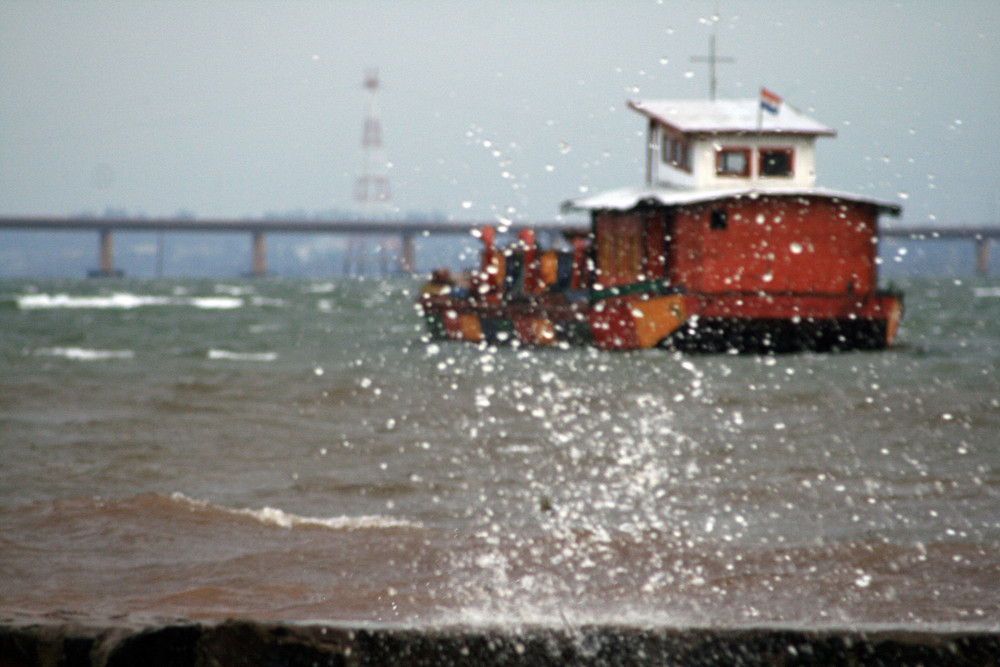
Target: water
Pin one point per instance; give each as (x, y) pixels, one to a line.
(298, 450)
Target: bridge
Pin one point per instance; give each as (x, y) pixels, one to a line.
(980, 235)
(258, 228)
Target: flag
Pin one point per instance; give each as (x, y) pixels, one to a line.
(769, 102)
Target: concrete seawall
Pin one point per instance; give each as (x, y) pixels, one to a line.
(237, 642)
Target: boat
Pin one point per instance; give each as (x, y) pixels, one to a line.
(729, 246)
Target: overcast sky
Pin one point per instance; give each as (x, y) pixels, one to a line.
(238, 108)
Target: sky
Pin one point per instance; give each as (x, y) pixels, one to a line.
(487, 108)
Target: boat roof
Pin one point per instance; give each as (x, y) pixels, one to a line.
(729, 116)
(624, 199)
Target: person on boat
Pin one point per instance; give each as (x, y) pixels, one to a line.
(441, 282)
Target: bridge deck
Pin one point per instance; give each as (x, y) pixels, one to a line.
(267, 226)
(406, 229)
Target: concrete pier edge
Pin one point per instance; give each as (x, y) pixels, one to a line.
(274, 644)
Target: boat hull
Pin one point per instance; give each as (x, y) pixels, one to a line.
(715, 323)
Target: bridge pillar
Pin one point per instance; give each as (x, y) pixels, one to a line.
(407, 255)
(982, 256)
(106, 259)
(159, 254)
(259, 255)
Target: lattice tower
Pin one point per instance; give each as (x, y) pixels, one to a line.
(371, 189)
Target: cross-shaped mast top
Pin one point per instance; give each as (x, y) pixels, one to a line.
(711, 59)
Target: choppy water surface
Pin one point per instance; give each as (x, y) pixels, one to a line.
(298, 450)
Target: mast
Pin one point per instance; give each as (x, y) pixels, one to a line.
(712, 59)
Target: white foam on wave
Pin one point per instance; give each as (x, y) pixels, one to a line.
(283, 519)
(117, 300)
(124, 301)
(215, 302)
(320, 288)
(84, 354)
(559, 612)
(233, 290)
(276, 517)
(228, 355)
(267, 302)
(986, 292)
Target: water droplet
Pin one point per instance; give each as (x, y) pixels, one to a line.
(689, 74)
(564, 147)
(796, 248)
(467, 204)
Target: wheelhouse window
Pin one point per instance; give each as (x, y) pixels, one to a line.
(674, 152)
(776, 162)
(732, 162)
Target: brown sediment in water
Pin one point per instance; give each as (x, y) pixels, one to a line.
(242, 642)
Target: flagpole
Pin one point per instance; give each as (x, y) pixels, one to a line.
(760, 112)
(768, 102)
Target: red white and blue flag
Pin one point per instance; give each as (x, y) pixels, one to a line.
(769, 102)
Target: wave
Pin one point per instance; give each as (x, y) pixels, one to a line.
(320, 288)
(282, 519)
(266, 302)
(233, 290)
(124, 301)
(212, 302)
(983, 292)
(92, 515)
(228, 355)
(84, 354)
